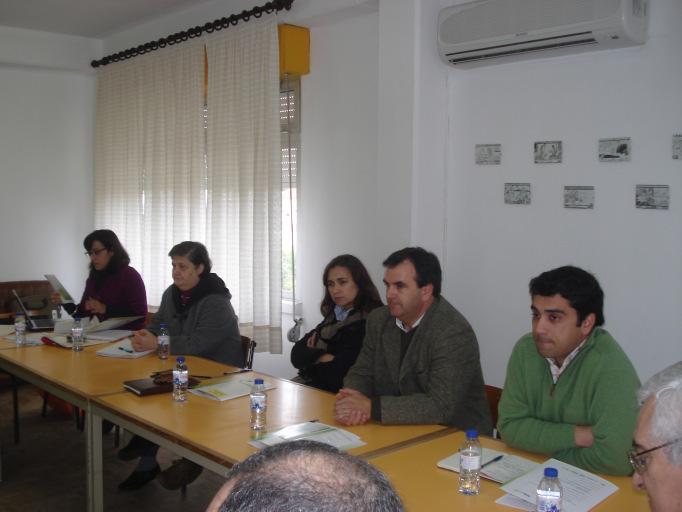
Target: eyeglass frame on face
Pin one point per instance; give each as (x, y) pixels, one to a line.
(639, 465)
(95, 252)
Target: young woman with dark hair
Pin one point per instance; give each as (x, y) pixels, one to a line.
(325, 354)
(113, 288)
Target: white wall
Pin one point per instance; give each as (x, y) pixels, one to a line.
(492, 249)
(46, 124)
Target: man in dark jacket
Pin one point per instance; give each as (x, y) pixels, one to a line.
(419, 361)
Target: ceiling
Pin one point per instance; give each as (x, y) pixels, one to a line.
(88, 18)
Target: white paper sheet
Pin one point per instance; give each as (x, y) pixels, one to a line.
(501, 471)
(123, 349)
(226, 388)
(582, 489)
(312, 431)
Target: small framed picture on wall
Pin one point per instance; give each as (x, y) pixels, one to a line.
(517, 193)
(652, 197)
(488, 154)
(548, 152)
(614, 150)
(581, 197)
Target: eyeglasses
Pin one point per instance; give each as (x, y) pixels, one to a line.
(95, 252)
(638, 463)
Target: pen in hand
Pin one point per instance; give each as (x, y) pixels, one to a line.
(499, 457)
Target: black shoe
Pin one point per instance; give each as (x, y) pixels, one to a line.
(134, 449)
(182, 472)
(138, 479)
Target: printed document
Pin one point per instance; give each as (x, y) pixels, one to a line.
(582, 490)
(58, 287)
(501, 471)
(312, 431)
(123, 349)
(226, 388)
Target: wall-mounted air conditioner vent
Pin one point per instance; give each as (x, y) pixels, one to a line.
(494, 31)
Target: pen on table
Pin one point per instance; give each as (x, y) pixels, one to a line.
(492, 460)
(241, 370)
(126, 350)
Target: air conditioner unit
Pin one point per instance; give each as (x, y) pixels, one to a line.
(494, 31)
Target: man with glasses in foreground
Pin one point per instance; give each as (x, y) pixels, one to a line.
(657, 446)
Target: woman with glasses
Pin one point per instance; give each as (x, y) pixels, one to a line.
(325, 354)
(113, 288)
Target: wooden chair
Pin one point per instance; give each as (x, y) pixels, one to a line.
(248, 347)
(493, 395)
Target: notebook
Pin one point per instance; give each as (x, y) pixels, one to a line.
(34, 323)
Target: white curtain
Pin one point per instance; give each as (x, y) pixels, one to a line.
(163, 174)
(244, 171)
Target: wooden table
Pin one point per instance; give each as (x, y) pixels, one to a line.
(220, 431)
(77, 377)
(211, 433)
(424, 486)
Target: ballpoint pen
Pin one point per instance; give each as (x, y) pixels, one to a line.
(126, 350)
(492, 460)
(241, 370)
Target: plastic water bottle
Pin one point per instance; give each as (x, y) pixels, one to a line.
(470, 465)
(77, 335)
(180, 380)
(20, 328)
(164, 342)
(549, 493)
(259, 405)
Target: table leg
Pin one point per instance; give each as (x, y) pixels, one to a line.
(93, 431)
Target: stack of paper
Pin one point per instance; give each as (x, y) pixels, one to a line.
(501, 470)
(582, 490)
(93, 325)
(123, 349)
(312, 431)
(226, 388)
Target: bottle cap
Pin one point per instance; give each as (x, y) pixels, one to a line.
(551, 472)
(163, 325)
(258, 381)
(180, 359)
(472, 434)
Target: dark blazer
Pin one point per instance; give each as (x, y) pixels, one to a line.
(440, 378)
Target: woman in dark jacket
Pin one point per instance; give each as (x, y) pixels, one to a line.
(325, 354)
(201, 322)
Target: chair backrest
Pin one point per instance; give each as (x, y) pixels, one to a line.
(493, 395)
(248, 347)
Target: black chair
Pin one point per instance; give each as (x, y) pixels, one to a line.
(248, 348)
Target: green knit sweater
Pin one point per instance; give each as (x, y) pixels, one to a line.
(597, 389)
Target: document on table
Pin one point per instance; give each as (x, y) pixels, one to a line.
(312, 431)
(6, 330)
(92, 325)
(501, 471)
(512, 501)
(122, 349)
(226, 388)
(582, 489)
(61, 340)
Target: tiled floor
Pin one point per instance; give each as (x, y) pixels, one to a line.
(46, 471)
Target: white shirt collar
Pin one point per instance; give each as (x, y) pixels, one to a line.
(402, 327)
(558, 370)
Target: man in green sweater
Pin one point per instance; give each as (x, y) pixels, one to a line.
(570, 390)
